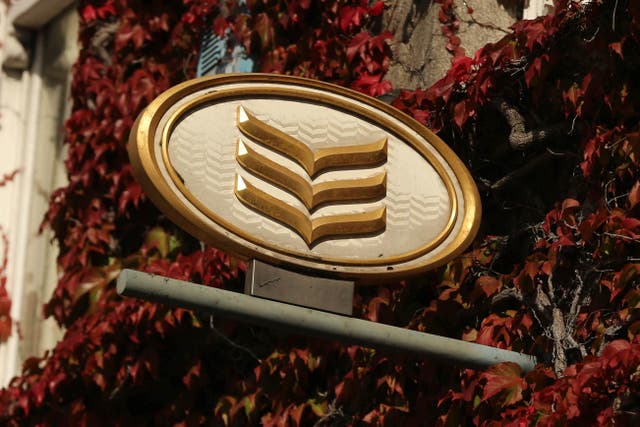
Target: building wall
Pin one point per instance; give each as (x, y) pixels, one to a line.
(39, 48)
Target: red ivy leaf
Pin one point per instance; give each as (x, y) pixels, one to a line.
(357, 43)
(220, 26)
(135, 34)
(489, 285)
(5, 328)
(8, 177)
(372, 85)
(634, 195)
(504, 379)
(534, 32)
(572, 94)
(351, 17)
(617, 48)
(5, 301)
(131, 195)
(615, 347)
(296, 413)
(377, 8)
(91, 13)
(461, 112)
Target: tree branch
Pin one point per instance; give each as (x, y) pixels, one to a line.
(232, 343)
(507, 294)
(472, 20)
(334, 417)
(519, 137)
(520, 172)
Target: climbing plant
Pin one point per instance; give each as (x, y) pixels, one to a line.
(6, 323)
(546, 119)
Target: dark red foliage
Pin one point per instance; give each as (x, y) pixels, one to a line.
(553, 272)
(5, 301)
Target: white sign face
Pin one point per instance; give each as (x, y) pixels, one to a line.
(304, 174)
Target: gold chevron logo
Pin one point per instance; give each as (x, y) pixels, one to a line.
(312, 195)
(314, 162)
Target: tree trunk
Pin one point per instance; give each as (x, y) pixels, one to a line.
(420, 57)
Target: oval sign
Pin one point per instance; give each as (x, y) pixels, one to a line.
(304, 174)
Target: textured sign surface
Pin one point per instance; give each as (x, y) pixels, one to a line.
(305, 174)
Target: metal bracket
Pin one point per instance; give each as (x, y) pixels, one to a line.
(291, 318)
(274, 283)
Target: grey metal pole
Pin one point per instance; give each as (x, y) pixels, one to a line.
(312, 322)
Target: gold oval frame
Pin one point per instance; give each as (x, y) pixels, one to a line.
(143, 158)
(278, 93)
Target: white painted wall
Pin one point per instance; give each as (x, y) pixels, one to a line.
(34, 88)
(534, 8)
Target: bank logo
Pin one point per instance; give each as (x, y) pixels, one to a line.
(306, 189)
(305, 175)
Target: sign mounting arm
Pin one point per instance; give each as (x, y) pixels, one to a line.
(313, 322)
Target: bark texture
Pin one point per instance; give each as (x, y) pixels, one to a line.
(420, 57)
